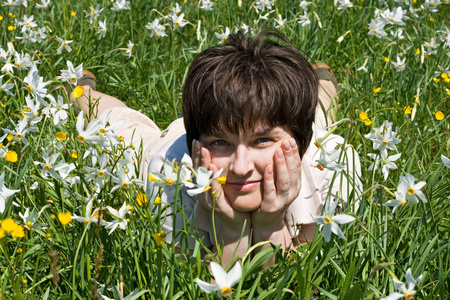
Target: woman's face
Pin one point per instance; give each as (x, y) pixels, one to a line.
(244, 157)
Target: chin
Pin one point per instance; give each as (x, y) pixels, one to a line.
(245, 203)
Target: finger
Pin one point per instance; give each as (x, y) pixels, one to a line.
(282, 176)
(195, 153)
(205, 157)
(269, 194)
(293, 163)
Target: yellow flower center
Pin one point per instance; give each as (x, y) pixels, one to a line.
(392, 20)
(207, 188)
(177, 24)
(403, 203)
(102, 131)
(81, 139)
(73, 79)
(64, 44)
(409, 295)
(410, 191)
(226, 291)
(47, 167)
(125, 185)
(29, 223)
(385, 142)
(169, 182)
(327, 219)
(29, 89)
(100, 173)
(320, 167)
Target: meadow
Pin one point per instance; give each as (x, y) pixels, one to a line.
(76, 222)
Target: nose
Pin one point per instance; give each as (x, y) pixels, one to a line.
(242, 163)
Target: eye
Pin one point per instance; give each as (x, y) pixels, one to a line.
(263, 141)
(219, 143)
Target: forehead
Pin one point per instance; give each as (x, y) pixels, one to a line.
(260, 129)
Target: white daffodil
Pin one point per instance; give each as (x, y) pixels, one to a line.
(58, 108)
(207, 5)
(100, 174)
(261, 5)
(22, 61)
(304, 19)
(376, 27)
(27, 23)
(30, 220)
(4, 192)
(328, 159)
(31, 111)
(156, 29)
(72, 74)
(203, 181)
(39, 35)
(48, 166)
(394, 17)
(127, 163)
(90, 134)
(446, 161)
(407, 293)
(107, 131)
(44, 4)
(6, 87)
(387, 163)
(400, 198)
(120, 5)
(36, 85)
(129, 50)
(331, 222)
(102, 30)
(178, 20)
(20, 130)
(89, 216)
(399, 64)
(94, 13)
(412, 190)
(385, 141)
(344, 4)
(224, 281)
(64, 45)
(223, 36)
(169, 178)
(186, 167)
(119, 218)
(124, 180)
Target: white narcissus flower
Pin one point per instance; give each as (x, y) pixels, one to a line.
(4, 192)
(36, 85)
(72, 74)
(224, 280)
(203, 181)
(387, 163)
(328, 160)
(90, 217)
(407, 293)
(58, 110)
(376, 28)
(400, 198)
(91, 132)
(446, 161)
(102, 30)
(169, 178)
(207, 5)
(412, 190)
(30, 221)
(178, 20)
(129, 50)
(119, 218)
(344, 4)
(331, 222)
(6, 87)
(223, 36)
(121, 5)
(94, 13)
(399, 64)
(64, 44)
(304, 19)
(385, 141)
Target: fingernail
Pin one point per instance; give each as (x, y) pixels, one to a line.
(287, 145)
(279, 153)
(270, 169)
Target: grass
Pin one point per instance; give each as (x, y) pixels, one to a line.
(72, 261)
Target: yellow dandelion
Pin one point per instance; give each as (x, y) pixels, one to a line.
(159, 237)
(368, 122)
(73, 14)
(407, 110)
(222, 179)
(78, 91)
(20, 250)
(10, 28)
(61, 136)
(11, 156)
(9, 225)
(142, 199)
(444, 75)
(74, 154)
(24, 281)
(447, 79)
(65, 218)
(447, 91)
(431, 19)
(157, 201)
(363, 116)
(18, 232)
(386, 59)
(1, 18)
(10, 137)
(417, 51)
(436, 79)
(376, 90)
(2, 233)
(439, 115)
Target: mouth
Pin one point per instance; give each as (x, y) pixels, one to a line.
(245, 186)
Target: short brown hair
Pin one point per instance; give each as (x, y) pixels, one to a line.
(250, 80)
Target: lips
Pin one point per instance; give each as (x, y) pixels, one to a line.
(245, 186)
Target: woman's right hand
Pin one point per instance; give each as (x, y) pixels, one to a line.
(230, 217)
